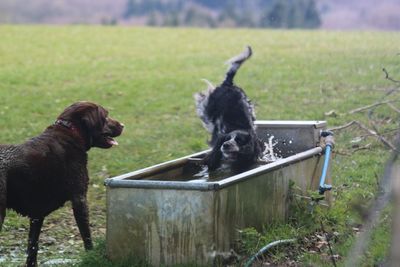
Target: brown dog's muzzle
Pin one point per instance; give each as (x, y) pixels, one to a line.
(112, 128)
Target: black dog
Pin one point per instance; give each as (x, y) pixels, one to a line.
(229, 116)
(40, 175)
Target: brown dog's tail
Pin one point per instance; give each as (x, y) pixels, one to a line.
(235, 64)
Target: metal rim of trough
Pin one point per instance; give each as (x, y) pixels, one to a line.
(120, 182)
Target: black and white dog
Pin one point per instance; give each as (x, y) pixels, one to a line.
(229, 116)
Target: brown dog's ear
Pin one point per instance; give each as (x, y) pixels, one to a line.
(94, 119)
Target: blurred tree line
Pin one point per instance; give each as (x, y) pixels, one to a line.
(222, 13)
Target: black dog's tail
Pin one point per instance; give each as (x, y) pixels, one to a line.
(235, 64)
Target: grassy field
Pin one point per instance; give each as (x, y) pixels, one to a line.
(146, 77)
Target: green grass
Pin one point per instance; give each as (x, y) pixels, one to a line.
(146, 77)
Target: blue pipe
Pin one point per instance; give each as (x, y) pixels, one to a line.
(264, 249)
(329, 144)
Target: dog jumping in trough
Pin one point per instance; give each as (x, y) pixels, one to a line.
(229, 116)
(40, 175)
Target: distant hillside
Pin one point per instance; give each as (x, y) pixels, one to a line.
(60, 11)
(360, 14)
(199, 13)
(227, 13)
(338, 14)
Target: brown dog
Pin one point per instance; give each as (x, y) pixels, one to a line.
(40, 175)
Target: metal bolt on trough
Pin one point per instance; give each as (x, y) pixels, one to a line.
(166, 216)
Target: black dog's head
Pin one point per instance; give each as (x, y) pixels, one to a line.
(93, 124)
(239, 148)
(238, 144)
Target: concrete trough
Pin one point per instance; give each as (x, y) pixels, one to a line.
(166, 216)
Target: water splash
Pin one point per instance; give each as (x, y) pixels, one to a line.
(269, 155)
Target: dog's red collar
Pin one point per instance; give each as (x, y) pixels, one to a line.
(66, 124)
(70, 126)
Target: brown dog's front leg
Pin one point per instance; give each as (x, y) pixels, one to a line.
(2, 215)
(33, 241)
(3, 199)
(81, 213)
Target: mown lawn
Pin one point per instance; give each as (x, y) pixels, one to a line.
(146, 77)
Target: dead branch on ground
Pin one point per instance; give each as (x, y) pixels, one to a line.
(388, 77)
(393, 107)
(372, 106)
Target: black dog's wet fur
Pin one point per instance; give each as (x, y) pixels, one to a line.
(226, 110)
(229, 105)
(40, 175)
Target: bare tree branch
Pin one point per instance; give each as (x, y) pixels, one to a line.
(393, 107)
(383, 133)
(379, 137)
(367, 146)
(342, 126)
(387, 102)
(343, 153)
(365, 128)
(388, 77)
